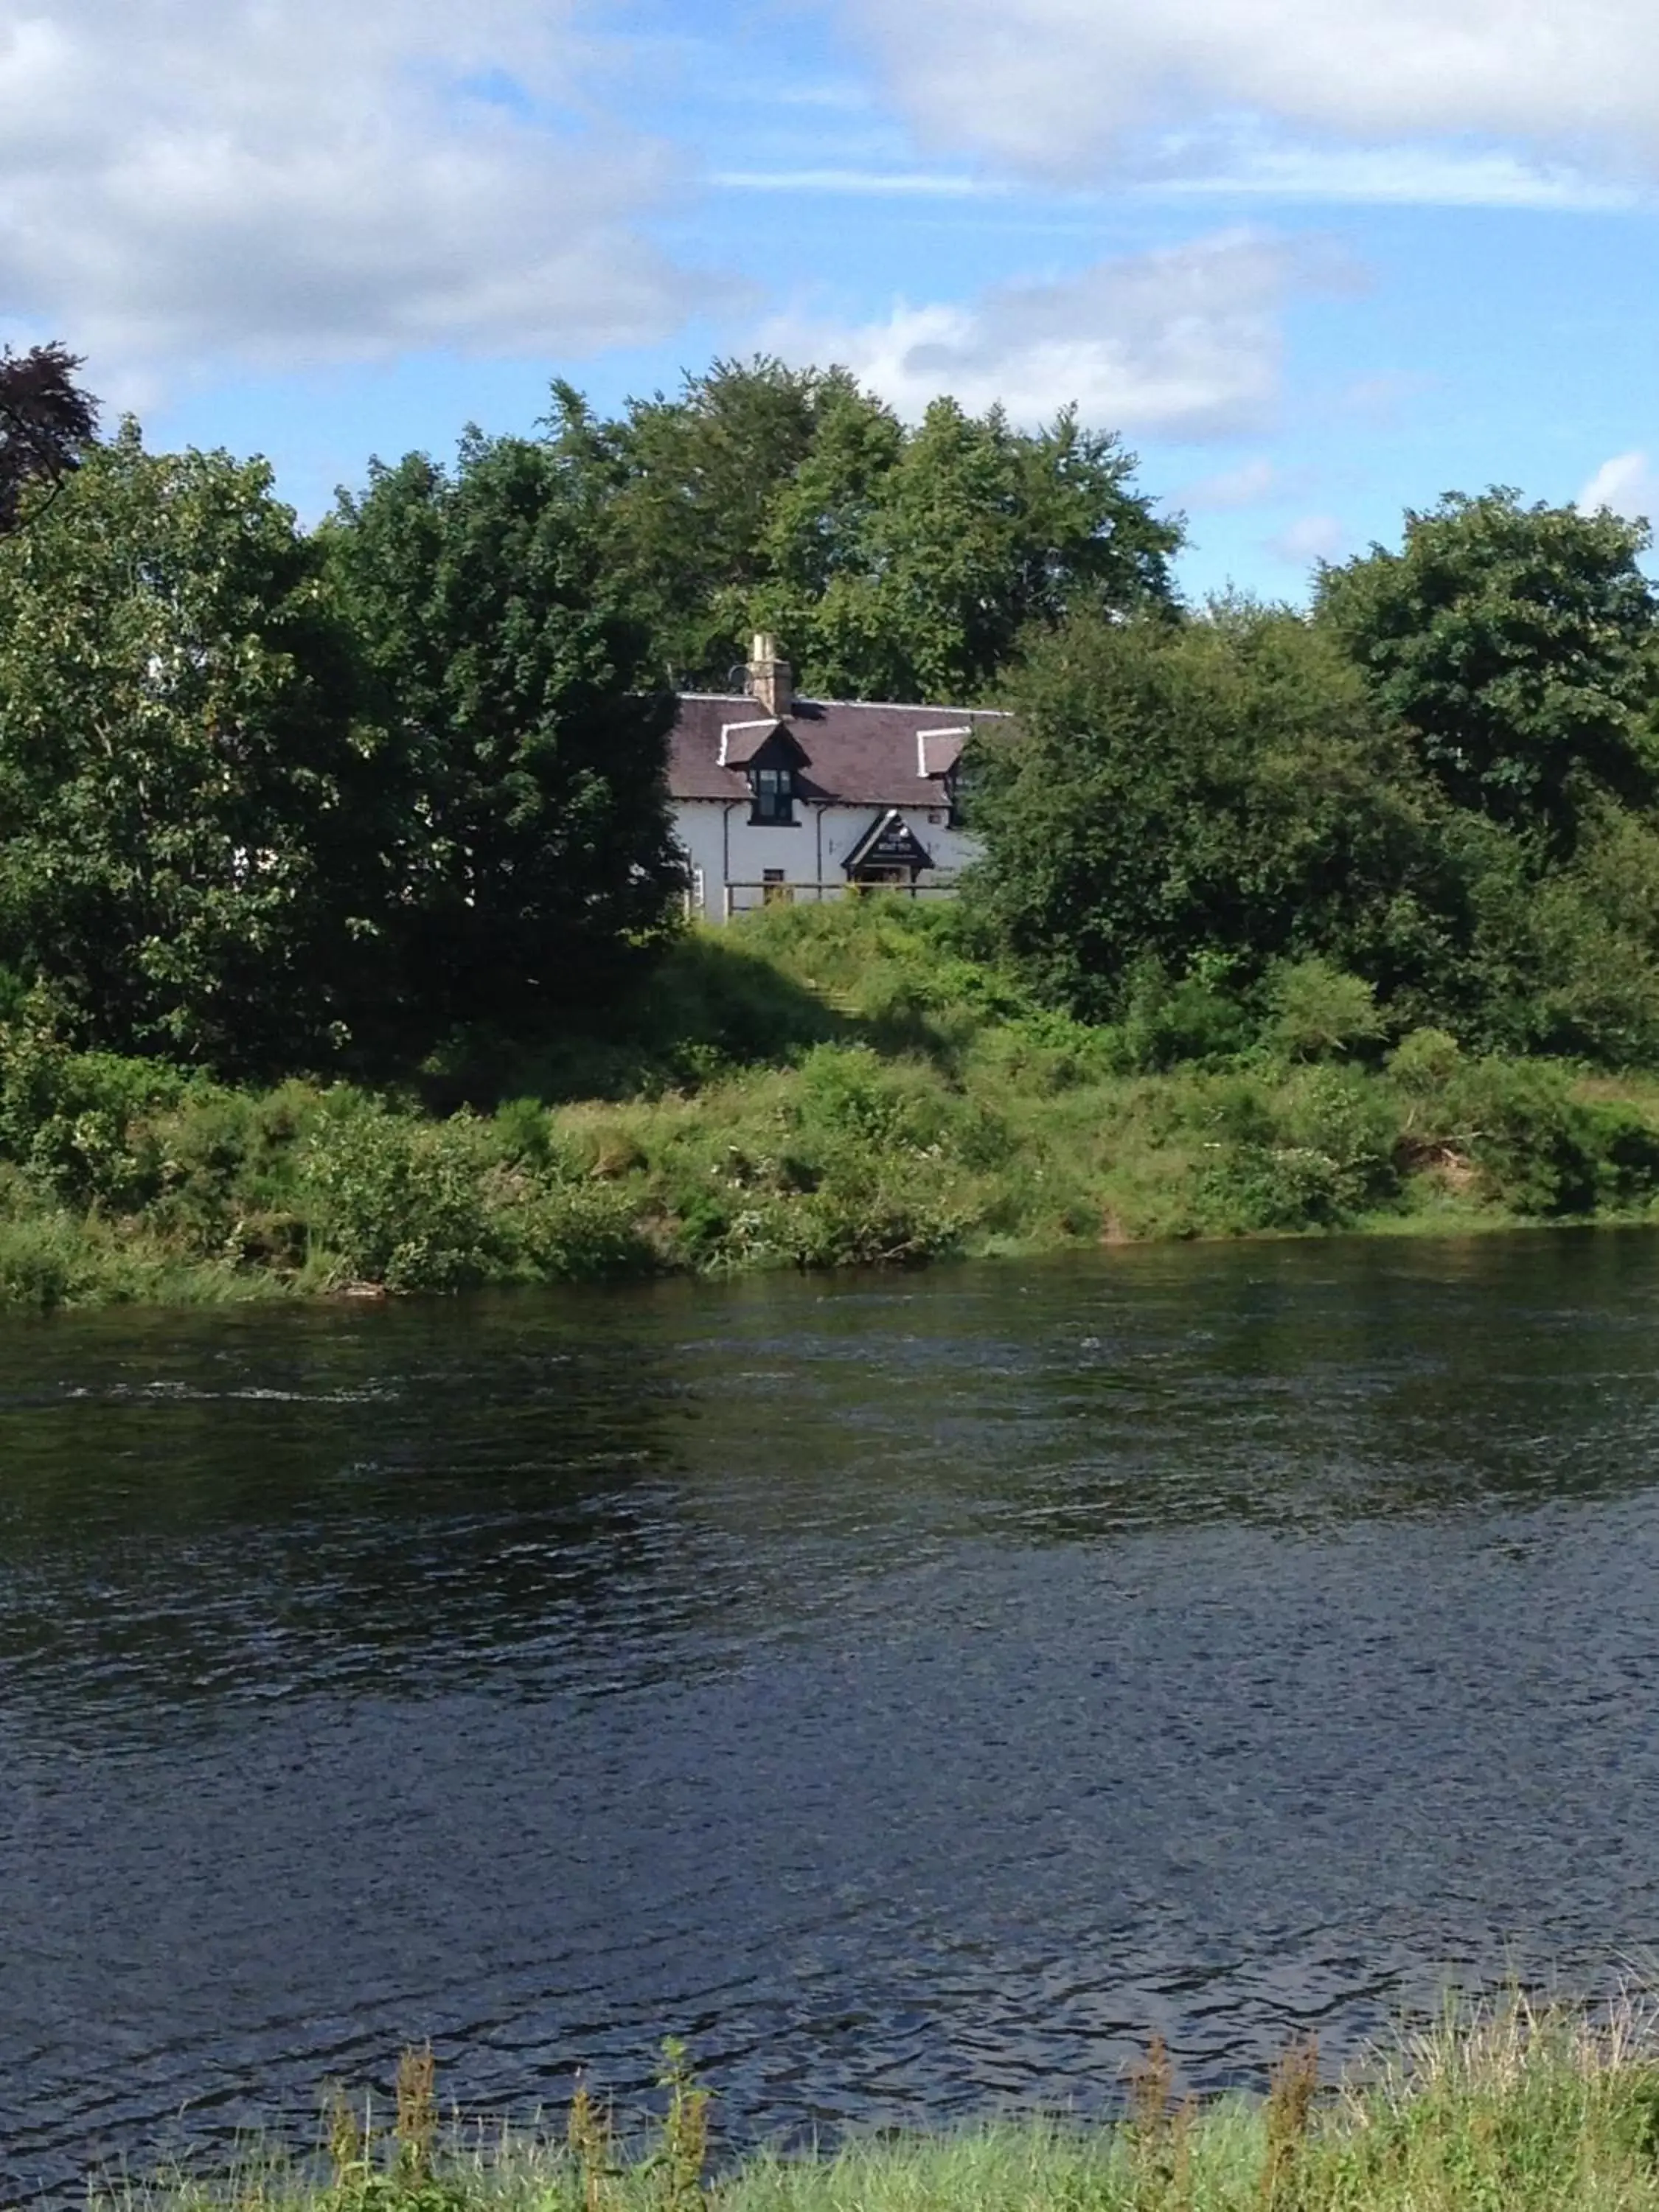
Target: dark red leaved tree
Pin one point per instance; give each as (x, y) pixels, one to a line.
(45, 418)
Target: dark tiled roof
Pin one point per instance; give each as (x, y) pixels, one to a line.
(863, 756)
(938, 751)
(741, 741)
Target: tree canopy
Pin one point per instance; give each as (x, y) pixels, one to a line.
(1517, 645)
(898, 562)
(1440, 784)
(46, 421)
(513, 687)
(183, 856)
(272, 798)
(1198, 799)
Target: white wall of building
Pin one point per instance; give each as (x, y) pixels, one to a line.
(726, 848)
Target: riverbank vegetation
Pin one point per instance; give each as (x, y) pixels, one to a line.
(340, 934)
(1531, 2111)
(815, 1087)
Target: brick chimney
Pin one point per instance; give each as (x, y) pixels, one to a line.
(771, 680)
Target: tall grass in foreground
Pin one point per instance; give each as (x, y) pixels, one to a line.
(1506, 2109)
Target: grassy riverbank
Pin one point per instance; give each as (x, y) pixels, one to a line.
(1508, 2111)
(815, 1088)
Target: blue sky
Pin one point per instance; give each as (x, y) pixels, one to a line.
(1317, 260)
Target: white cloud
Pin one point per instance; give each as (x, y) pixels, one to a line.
(284, 181)
(1247, 485)
(1627, 483)
(861, 184)
(1055, 85)
(1240, 164)
(1184, 342)
(1310, 537)
(1386, 176)
(835, 98)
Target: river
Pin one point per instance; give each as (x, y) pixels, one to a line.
(911, 1690)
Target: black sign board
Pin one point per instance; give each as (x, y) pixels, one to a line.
(890, 843)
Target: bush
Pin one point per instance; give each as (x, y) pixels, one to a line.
(227, 1173)
(401, 1202)
(78, 1122)
(579, 1231)
(41, 1262)
(1250, 1188)
(1165, 1024)
(1425, 1061)
(1317, 1155)
(1347, 1122)
(847, 1095)
(1532, 1142)
(1625, 1145)
(878, 1225)
(1319, 1013)
(524, 1130)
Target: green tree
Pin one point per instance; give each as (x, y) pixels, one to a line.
(1517, 645)
(682, 489)
(187, 861)
(908, 565)
(1589, 937)
(1200, 800)
(894, 562)
(537, 844)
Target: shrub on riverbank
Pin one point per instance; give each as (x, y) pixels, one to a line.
(1505, 2108)
(816, 1088)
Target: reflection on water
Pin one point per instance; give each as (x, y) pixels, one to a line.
(911, 1691)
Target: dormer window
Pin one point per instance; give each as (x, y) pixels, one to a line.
(939, 760)
(772, 789)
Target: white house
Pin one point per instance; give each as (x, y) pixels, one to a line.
(781, 798)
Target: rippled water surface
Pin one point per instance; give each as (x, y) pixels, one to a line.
(911, 1691)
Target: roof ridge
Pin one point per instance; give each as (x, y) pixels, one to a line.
(886, 706)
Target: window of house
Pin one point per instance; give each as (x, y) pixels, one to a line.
(774, 790)
(774, 889)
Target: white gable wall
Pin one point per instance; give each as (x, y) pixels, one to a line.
(726, 848)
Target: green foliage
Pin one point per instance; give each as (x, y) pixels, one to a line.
(1318, 1153)
(1521, 1125)
(1197, 823)
(1498, 2107)
(400, 1202)
(1541, 1149)
(1517, 645)
(1197, 800)
(944, 1112)
(1425, 1062)
(44, 1263)
(684, 2155)
(1195, 1020)
(74, 1121)
(531, 839)
(569, 1231)
(186, 855)
(1592, 931)
(846, 1094)
(908, 565)
(896, 563)
(682, 489)
(1318, 1012)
